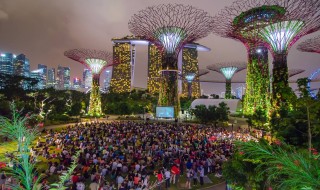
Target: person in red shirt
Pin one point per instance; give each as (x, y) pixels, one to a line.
(160, 178)
(174, 172)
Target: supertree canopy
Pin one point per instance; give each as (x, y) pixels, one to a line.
(191, 76)
(170, 27)
(242, 21)
(310, 45)
(301, 18)
(228, 70)
(96, 61)
(293, 72)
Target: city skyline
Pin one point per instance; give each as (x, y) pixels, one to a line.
(63, 25)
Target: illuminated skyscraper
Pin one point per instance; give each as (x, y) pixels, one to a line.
(188, 63)
(107, 80)
(87, 78)
(44, 69)
(63, 78)
(123, 73)
(154, 67)
(21, 65)
(38, 75)
(6, 63)
(51, 78)
(66, 78)
(76, 83)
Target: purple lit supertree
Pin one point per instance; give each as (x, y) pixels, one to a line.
(242, 21)
(310, 45)
(96, 61)
(228, 70)
(300, 18)
(189, 77)
(170, 27)
(293, 72)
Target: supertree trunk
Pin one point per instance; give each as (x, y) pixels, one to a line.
(257, 81)
(228, 89)
(189, 90)
(95, 98)
(280, 80)
(168, 94)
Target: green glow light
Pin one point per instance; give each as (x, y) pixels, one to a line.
(280, 34)
(170, 37)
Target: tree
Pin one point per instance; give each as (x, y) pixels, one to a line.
(212, 114)
(223, 112)
(284, 166)
(259, 118)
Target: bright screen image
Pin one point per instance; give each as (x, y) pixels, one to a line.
(165, 112)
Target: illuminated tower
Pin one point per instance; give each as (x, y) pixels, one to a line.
(170, 27)
(51, 77)
(154, 67)
(301, 18)
(227, 70)
(191, 85)
(242, 21)
(123, 73)
(310, 45)
(96, 61)
(189, 64)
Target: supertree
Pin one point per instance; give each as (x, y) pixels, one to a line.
(294, 72)
(300, 18)
(96, 61)
(189, 77)
(228, 70)
(242, 21)
(170, 27)
(310, 45)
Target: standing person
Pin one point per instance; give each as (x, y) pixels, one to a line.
(167, 175)
(160, 178)
(195, 176)
(174, 171)
(201, 174)
(189, 177)
(3, 178)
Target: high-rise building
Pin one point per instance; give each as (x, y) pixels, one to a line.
(59, 79)
(190, 65)
(123, 71)
(6, 63)
(154, 67)
(107, 80)
(87, 78)
(51, 80)
(76, 83)
(38, 75)
(63, 78)
(44, 73)
(188, 60)
(66, 78)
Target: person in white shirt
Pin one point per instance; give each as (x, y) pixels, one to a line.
(167, 175)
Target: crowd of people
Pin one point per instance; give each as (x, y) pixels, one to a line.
(125, 155)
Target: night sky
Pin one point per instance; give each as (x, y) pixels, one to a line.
(44, 29)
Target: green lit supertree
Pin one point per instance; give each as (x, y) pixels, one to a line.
(170, 27)
(300, 18)
(96, 61)
(228, 70)
(242, 21)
